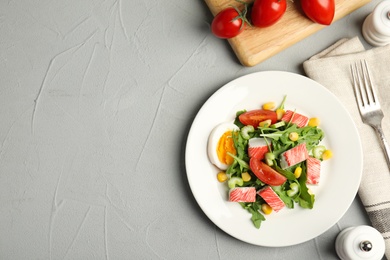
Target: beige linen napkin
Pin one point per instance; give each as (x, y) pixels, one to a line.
(331, 68)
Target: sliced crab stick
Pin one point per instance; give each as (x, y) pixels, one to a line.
(257, 148)
(313, 170)
(272, 199)
(242, 194)
(293, 156)
(298, 119)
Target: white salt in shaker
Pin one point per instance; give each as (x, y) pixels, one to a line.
(361, 242)
(376, 26)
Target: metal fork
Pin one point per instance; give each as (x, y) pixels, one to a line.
(368, 102)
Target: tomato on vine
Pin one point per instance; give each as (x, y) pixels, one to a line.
(229, 23)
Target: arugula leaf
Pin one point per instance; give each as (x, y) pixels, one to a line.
(311, 135)
(243, 164)
(305, 199)
(256, 218)
(289, 175)
(281, 192)
(237, 122)
(232, 169)
(282, 133)
(254, 209)
(282, 104)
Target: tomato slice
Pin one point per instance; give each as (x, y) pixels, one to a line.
(265, 173)
(254, 117)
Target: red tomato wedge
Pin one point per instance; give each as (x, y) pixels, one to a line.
(319, 11)
(254, 117)
(265, 173)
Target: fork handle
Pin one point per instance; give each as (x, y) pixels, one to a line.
(384, 144)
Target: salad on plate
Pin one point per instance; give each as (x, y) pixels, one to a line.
(268, 158)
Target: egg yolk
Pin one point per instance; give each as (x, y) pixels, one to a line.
(225, 145)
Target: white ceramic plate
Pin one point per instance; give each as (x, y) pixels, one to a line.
(340, 176)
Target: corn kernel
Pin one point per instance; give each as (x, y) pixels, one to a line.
(222, 177)
(246, 176)
(314, 121)
(293, 136)
(269, 106)
(265, 123)
(266, 208)
(280, 113)
(298, 172)
(327, 154)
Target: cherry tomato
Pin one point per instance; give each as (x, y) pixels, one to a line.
(267, 12)
(228, 23)
(254, 117)
(265, 173)
(319, 11)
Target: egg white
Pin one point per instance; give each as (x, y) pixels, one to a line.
(213, 140)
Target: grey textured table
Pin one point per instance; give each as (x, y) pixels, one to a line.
(96, 100)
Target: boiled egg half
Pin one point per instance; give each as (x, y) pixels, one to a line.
(220, 143)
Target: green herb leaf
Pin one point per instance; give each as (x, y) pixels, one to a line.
(237, 121)
(305, 199)
(243, 164)
(254, 209)
(286, 173)
(282, 104)
(281, 192)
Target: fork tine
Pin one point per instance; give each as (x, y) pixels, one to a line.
(367, 82)
(362, 82)
(364, 87)
(357, 85)
(370, 90)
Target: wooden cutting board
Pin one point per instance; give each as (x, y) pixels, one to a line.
(255, 45)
